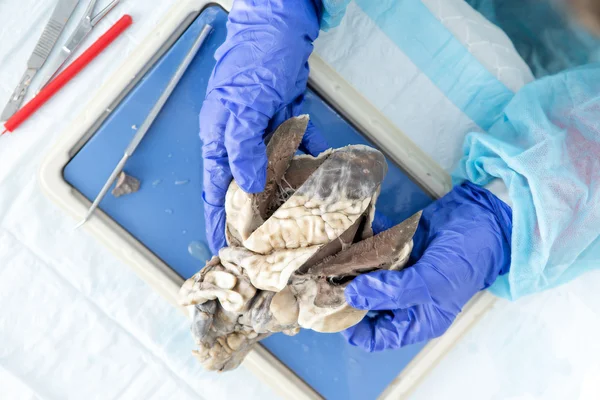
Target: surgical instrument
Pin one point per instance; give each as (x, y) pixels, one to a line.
(64, 77)
(87, 23)
(59, 18)
(143, 129)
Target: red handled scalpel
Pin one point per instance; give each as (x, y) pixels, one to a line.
(71, 71)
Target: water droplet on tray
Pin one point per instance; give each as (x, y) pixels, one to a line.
(183, 232)
(169, 211)
(156, 182)
(199, 251)
(134, 127)
(182, 182)
(170, 155)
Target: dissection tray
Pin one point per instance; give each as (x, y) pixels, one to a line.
(159, 230)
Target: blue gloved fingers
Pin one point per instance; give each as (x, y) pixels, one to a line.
(216, 173)
(388, 290)
(361, 335)
(215, 226)
(313, 142)
(259, 77)
(452, 262)
(293, 109)
(461, 245)
(216, 179)
(248, 168)
(398, 328)
(441, 273)
(214, 205)
(420, 240)
(246, 150)
(381, 223)
(387, 330)
(381, 332)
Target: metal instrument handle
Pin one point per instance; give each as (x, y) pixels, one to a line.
(168, 90)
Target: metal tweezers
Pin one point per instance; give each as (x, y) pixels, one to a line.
(87, 23)
(141, 132)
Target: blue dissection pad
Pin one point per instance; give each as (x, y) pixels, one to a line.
(166, 214)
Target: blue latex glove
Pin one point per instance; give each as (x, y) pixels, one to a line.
(257, 83)
(461, 245)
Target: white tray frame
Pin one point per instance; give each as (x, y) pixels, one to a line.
(345, 99)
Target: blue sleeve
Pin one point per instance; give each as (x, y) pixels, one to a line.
(546, 149)
(332, 13)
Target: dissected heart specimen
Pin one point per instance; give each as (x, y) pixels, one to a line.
(293, 249)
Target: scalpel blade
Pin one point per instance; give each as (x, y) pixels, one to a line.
(61, 14)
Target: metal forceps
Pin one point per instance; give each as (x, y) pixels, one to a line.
(141, 132)
(87, 23)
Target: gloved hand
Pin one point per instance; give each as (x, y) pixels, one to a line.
(461, 245)
(258, 82)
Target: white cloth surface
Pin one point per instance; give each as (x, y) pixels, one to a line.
(77, 323)
(369, 60)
